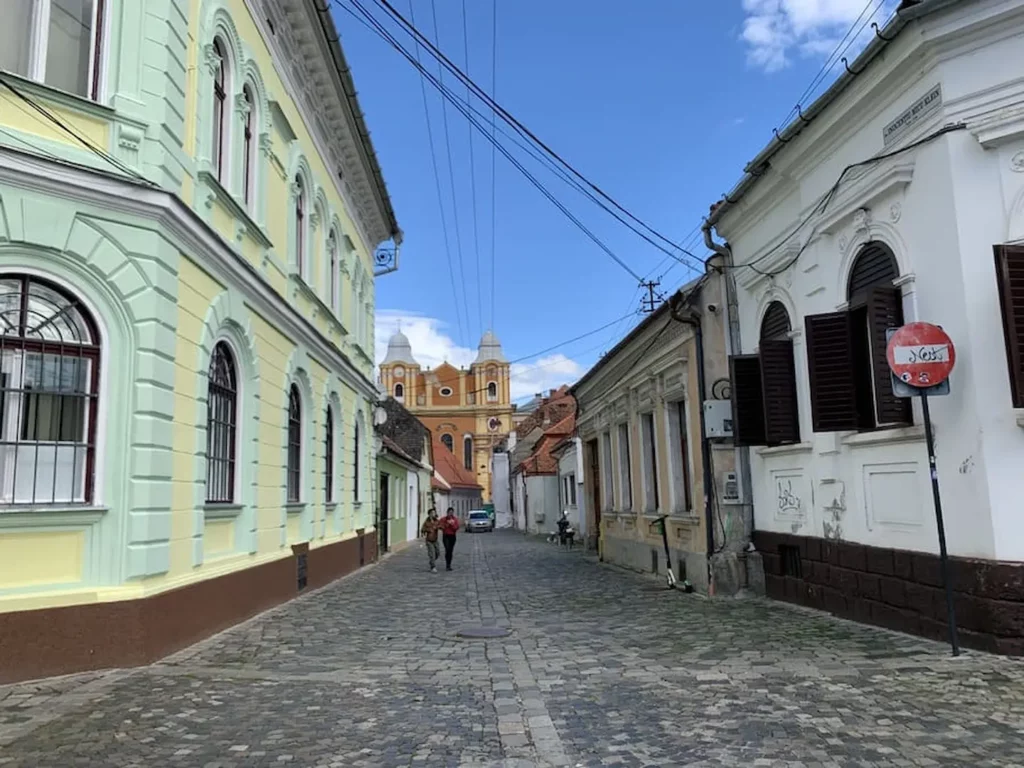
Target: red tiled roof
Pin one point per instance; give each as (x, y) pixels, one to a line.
(543, 461)
(396, 449)
(451, 469)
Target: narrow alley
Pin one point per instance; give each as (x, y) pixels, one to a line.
(600, 667)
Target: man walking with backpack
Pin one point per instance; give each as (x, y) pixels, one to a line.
(431, 526)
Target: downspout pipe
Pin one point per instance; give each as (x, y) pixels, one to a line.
(693, 319)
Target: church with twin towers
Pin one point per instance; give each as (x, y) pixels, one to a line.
(467, 410)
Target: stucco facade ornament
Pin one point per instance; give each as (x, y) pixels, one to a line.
(211, 58)
(843, 242)
(314, 219)
(242, 105)
(861, 219)
(1017, 162)
(895, 212)
(295, 189)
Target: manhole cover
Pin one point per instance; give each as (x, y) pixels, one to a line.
(483, 632)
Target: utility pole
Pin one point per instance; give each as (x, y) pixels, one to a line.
(649, 303)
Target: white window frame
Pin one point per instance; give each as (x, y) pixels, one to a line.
(39, 44)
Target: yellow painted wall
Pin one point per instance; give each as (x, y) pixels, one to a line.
(218, 538)
(41, 557)
(16, 114)
(277, 188)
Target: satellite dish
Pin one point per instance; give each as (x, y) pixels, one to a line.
(379, 416)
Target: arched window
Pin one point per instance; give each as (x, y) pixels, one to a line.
(221, 426)
(764, 392)
(294, 445)
(358, 461)
(49, 383)
(329, 456)
(248, 147)
(467, 452)
(492, 391)
(220, 109)
(850, 382)
(332, 266)
(448, 442)
(300, 225)
(399, 392)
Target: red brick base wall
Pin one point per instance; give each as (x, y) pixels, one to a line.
(898, 589)
(60, 641)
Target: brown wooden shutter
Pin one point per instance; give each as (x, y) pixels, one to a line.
(748, 427)
(885, 310)
(833, 397)
(778, 383)
(1010, 281)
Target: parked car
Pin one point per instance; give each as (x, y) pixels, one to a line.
(479, 520)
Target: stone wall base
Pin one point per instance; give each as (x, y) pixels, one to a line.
(898, 589)
(646, 557)
(127, 633)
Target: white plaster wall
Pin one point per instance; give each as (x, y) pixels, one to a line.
(960, 199)
(542, 498)
(500, 490)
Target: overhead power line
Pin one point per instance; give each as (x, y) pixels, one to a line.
(447, 93)
(494, 184)
(451, 179)
(440, 196)
(622, 214)
(472, 181)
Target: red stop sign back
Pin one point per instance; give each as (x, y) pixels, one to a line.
(921, 354)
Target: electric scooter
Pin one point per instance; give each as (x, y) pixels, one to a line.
(670, 576)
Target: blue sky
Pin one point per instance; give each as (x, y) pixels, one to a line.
(660, 102)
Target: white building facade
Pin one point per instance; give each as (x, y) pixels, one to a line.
(898, 196)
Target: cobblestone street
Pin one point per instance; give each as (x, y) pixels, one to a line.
(602, 667)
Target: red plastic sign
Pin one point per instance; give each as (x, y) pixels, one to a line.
(921, 354)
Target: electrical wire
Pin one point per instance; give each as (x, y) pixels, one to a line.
(451, 177)
(494, 184)
(378, 30)
(102, 154)
(527, 133)
(446, 92)
(472, 179)
(440, 196)
(823, 202)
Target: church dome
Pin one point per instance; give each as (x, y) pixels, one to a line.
(490, 349)
(399, 350)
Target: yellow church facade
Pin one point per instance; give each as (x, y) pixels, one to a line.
(468, 410)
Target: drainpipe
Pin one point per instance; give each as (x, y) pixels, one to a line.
(735, 345)
(693, 319)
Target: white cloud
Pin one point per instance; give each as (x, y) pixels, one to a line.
(775, 29)
(431, 346)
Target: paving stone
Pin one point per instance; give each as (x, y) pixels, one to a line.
(599, 669)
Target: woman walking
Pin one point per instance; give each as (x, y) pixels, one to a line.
(449, 527)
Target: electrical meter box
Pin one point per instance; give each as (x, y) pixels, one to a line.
(718, 418)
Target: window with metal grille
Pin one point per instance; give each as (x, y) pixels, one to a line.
(221, 426)
(789, 555)
(49, 380)
(849, 377)
(294, 445)
(625, 471)
(1010, 283)
(358, 459)
(329, 456)
(649, 455)
(467, 452)
(765, 410)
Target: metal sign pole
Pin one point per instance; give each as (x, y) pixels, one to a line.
(954, 640)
